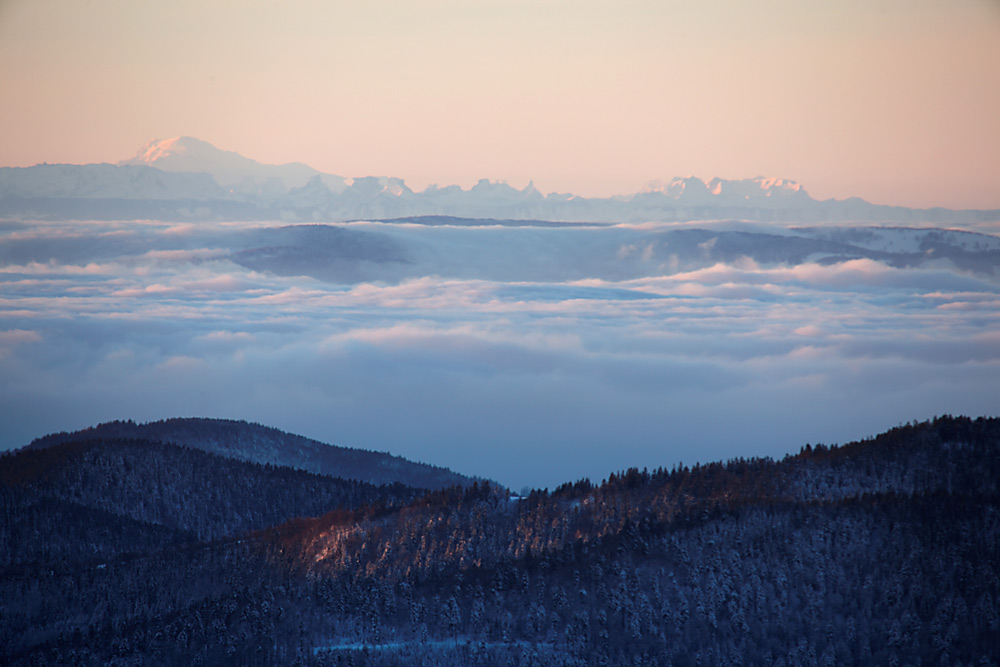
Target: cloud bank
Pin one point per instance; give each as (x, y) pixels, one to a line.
(529, 355)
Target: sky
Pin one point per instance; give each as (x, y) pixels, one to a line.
(894, 101)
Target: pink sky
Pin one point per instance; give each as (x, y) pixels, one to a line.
(896, 101)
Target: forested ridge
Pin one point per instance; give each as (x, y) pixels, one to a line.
(257, 443)
(883, 551)
(186, 493)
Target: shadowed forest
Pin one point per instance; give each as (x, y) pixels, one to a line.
(127, 551)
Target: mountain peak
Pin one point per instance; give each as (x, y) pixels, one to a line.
(228, 168)
(194, 155)
(744, 189)
(778, 183)
(160, 151)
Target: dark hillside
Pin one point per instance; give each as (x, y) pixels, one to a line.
(182, 491)
(885, 551)
(41, 529)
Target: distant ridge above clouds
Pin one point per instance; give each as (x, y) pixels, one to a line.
(167, 180)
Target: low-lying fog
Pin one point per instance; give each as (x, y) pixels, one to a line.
(532, 355)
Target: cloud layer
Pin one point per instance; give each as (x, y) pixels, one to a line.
(531, 356)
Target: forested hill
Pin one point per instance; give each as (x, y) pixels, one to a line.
(85, 498)
(950, 461)
(883, 551)
(262, 444)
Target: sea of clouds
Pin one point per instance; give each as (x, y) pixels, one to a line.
(531, 355)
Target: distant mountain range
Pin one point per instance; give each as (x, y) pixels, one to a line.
(189, 179)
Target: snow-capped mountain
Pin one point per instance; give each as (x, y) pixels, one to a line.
(189, 179)
(732, 192)
(229, 169)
